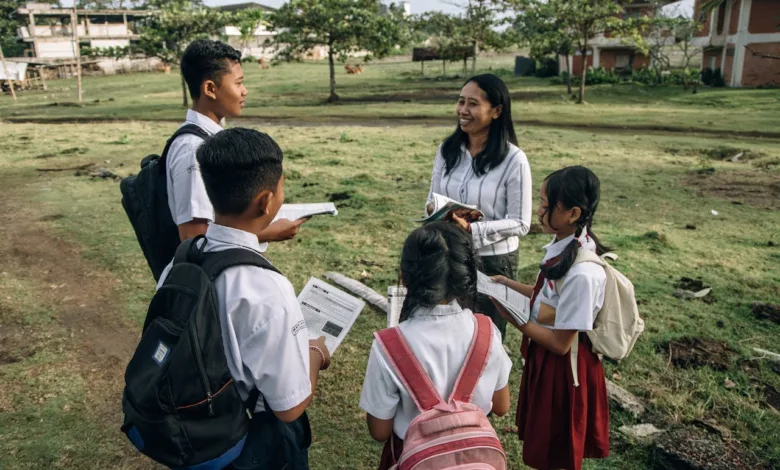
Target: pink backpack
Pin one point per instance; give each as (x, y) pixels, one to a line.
(452, 435)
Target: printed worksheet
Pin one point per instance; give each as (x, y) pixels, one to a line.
(328, 312)
(299, 211)
(395, 300)
(514, 302)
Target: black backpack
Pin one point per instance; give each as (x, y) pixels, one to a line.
(145, 199)
(182, 407)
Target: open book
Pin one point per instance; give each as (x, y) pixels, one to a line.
(299, 211)
(328, 312)
(395, 300)
(515, 303)
(442, 205)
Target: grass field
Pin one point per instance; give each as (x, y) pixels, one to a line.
(74, 286)
(398, 91)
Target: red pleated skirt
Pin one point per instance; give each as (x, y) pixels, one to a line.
(560, 424)
(390, 455)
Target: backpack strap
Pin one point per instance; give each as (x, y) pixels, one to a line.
(476, 360)
(409, 370)
(193, 129)
(216, 262)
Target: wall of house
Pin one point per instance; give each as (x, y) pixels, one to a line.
(54, 49)
(728, 65)
(576, 64)
(734, 18)
(764, 16)
(761, 71)
(717, 53)
(703, 17)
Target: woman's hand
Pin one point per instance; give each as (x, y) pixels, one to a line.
(500, 280)
(509, 318)
(461, 222)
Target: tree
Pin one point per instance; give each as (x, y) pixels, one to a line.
(109, 4)
(481, 19)
(586, 19)
(176, 24)
(345, 27)
(537, 27)
(248, 21)
(448, 35)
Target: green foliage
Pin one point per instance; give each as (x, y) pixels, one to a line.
(346, 27)
(644, 76)
(9, 26)
(248, 21)
(712, 77)
(536, 26)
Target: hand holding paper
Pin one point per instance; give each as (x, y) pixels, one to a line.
(516, 305)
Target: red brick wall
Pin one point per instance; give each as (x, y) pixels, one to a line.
(717, 53)
(734, 20)
(640, 61)
(761, 71)
(764, 16)
(704, 16)
(608, 58)
(576, 64)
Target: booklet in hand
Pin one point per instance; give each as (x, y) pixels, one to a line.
(328, 312)
(395, 301)
(299, 211)
(442, 205)
(515, 303)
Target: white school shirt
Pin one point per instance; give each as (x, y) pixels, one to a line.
(440, 338)
(503, 194)
(187, 198)
(583, 290)
(263, 331)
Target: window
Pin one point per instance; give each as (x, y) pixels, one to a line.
(712, 62)
(622, 61)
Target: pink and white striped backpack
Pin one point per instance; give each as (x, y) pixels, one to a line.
(452, 435)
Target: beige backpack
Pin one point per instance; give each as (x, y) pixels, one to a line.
(618, 325)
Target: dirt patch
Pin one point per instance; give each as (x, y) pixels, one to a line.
(698, 352)
(771, 397)
(769, 312)
(757, 189)
(14, 345)
(430, 95)
(337, 197)
(718, 153)
(691, 448)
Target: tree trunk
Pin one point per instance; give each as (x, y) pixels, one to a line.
(568, 75)
(583, 75)
(184, 92)
(444, 68)
(465, 66)
(333, 96)
(474, 60)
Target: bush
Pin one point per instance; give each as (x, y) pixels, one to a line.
(546, 67)
(645, 76)
(249, 58)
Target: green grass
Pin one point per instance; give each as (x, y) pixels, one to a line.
(386, 172)
(398, 91)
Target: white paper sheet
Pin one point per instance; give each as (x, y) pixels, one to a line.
(395, 300)
(299, 211)
(328, 312)
(514, 302)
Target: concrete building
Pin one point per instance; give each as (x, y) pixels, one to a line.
(737, 36)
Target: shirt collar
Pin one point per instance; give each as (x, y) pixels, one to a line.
(203, 122)
(234, 236)
(451, 308)
(555, 248)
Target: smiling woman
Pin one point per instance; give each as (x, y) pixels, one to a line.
(480, 164)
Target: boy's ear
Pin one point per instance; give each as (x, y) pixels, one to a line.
(262, 202)
(209, 89)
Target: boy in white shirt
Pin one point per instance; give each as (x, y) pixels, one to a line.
(215, 79)
(263, 331)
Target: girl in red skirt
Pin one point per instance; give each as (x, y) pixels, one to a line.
(562, 418)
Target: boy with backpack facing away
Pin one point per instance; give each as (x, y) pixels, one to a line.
(440, 351)
(246, 333)
(167, 202)
(215, 79)
(580, 308)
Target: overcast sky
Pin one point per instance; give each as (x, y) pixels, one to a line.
(420, 6)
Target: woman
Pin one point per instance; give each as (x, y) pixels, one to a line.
(480, 164)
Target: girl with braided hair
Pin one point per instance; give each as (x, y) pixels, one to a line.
(439, 270)
(560, 420)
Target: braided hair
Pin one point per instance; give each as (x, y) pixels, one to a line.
(573, 186)
(438, 264)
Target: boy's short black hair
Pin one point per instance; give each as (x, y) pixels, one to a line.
(205, 59)
(236, 165)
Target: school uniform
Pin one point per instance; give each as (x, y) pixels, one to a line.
(187, 197)
(440, 338)
(267, 347)
(503, 194)
(561, 423)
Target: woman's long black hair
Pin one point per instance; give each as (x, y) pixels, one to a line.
(573, 186)
(438, 264)
(501, 130)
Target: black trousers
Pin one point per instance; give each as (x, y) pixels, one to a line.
(275, 445)
(505, 265)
